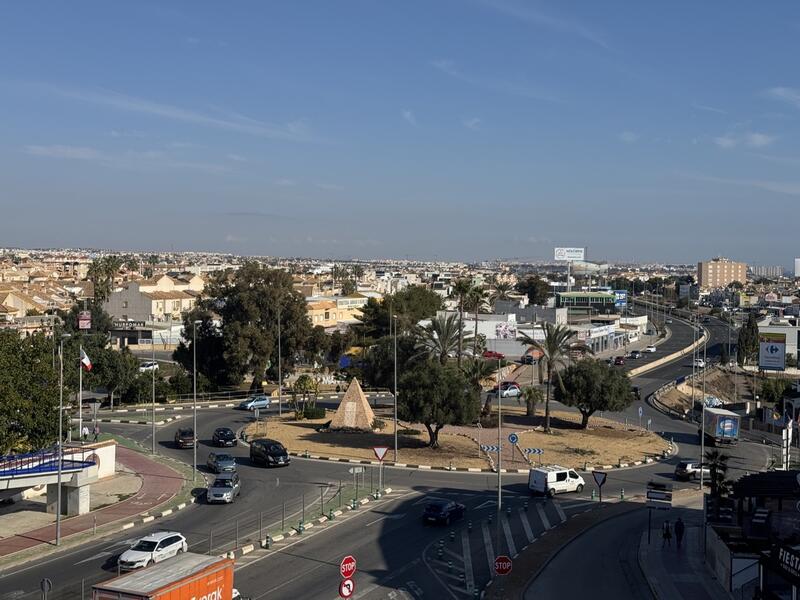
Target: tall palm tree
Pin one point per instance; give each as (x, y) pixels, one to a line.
(460, 291)
(501, 292)
(555, 348)
(440, 339)
(477, 300)
(476, 370)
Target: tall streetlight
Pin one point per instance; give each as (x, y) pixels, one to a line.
(60, 433)
(280, 368)
(394, 320)
(194, 392)
(153, 415)
(499, 453)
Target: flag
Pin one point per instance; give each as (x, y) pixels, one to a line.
(85, 362)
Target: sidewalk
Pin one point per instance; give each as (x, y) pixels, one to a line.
(159, 484)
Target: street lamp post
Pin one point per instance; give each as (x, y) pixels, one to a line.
(280, 368)
(394, 320)
(153, 415)
(60, 433)
(194, 393)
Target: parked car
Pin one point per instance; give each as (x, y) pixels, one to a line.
(668, 321)
(635, 354)
(185, 438)
(221, 463)
(224, 436)
(268, 453)
(619, 360)
(699, 363)
(650, 349)
(508, 389)
(225, 488)
(147, 366)
(493, 354)
(636, 392)
(706, 320)
(258, 401)
(151, 549)
(443, 512)
(686, 470)
(554, 480)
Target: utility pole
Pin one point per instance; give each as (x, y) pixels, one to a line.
(394, 320)
(60, 434)
(280, 371)
(153, 415)
(194, 394)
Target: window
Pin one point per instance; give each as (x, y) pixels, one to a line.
(124, 304)
(573, 475)
(562, 476)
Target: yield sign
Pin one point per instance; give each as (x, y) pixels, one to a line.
(380, 452)
(599, 477)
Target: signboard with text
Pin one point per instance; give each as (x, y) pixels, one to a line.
(772, 351)
(620, 298)
(84, 320)
(570, 253)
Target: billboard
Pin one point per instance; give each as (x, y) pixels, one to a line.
(84, 319)
(772, 351)
(570, 253)
(620, 298)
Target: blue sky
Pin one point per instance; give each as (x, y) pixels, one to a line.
(459, 129)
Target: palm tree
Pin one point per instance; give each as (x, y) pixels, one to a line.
(477, 300)
(460, 291)
(555, 348)
(532, 397)
(440, 339)
(476, 370)
(501, 292)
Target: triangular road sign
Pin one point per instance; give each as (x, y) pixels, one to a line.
(599, 477)
(380, 452)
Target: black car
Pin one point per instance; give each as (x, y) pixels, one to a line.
(184, 438)
(224, 436)
(443, 512)
(269, 453)
(636, 354)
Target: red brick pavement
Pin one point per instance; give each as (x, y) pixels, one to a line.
(159, 484)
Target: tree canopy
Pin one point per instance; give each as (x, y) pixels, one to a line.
(747, 343)
(411, 305)
(536, 288)
(436, 396)
(441, 338)
(590, 385)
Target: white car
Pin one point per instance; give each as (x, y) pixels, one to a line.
(151, 549)
(699, 363)
(650, 348)
(148, 366)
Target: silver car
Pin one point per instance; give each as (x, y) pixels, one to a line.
(221, 463)
(224, 489)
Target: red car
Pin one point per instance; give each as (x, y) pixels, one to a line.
(619, 360)
(493, 354)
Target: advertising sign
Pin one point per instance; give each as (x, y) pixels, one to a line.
(727, 427)
(84, 320)
(772, 351)
(620, 298)
(570, 253)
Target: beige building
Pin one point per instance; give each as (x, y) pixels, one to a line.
(719, 272)
(335, 310)
(160, 299)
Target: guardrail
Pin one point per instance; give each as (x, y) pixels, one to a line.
(670, 357)
(654, 399)
(37, 462)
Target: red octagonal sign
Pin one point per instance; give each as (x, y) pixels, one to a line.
(347, 567)
(502, 565)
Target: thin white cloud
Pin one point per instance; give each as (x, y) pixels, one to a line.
(784, 94)
(66, 152)
(295, 131)
(529, 14)
(236, 157)
(474, 123)
(758, 140)
(629, 137)
(708, 108)
(791, 188)
(725, 141)
(409, 117)
(234, 239)
(285, 182)
(523, 90)
(750, 139)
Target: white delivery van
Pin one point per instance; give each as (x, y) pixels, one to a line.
(554, 480)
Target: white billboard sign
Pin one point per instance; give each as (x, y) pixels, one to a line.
(570, 254)
(772, 351)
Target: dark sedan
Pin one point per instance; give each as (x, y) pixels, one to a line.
(443, 512)
(184, 438)
(224, 437)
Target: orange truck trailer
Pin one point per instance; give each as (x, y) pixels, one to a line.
(187, 576)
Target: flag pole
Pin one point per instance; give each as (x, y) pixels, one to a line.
(80, 395)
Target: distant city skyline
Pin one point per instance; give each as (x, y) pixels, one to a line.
(456, 130)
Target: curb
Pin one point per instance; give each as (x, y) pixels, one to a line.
(131, 422)
(150, 518)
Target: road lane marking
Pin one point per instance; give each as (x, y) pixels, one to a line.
(512, 549)
(487, 544)
(542, 516)
(95, 557)
(468, 577)
(523, 516)
(560, 512)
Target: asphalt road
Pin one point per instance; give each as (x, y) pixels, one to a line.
(394, 549)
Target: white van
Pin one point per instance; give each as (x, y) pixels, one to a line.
(554, 480)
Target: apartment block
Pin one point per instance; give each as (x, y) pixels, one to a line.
(720, 272)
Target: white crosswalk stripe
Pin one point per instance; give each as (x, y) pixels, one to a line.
(468, 576)
(560, 512)
(523, 516)
(512, 548)
(487, 544)
(543, 516)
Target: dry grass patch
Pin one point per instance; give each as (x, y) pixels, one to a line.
(302, 436)
(604, 442)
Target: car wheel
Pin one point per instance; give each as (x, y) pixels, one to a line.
(551, 492)
(180, 550)
(579, 489)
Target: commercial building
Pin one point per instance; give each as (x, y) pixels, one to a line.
(769, 271)
(720, 272)
(797, 267)
(586, 303)
(788, 327)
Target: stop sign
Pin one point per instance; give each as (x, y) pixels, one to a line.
(347, 567)
(502, 565)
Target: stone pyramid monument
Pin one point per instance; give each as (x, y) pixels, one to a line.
(354, 411)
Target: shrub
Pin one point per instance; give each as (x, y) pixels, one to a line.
(409, 432)
(378, 423)
(314, 412)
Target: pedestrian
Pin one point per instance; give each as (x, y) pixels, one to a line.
(666, 535)
(85, 433)
(338, 388)
(680, 528)
(96, 431)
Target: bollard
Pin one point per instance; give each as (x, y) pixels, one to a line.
(462, 578)
(476, 593)
(439, 553)
(306, 453)
(490, 519)
(508, 511)
(268, 542)
(449, 566)
(300, 527)
(452, 536)
(353, 503)
(585, 465)
(441, 542)
(331, 516)
(525, 506)
(622, 493)
(469, 526)
(593, 494)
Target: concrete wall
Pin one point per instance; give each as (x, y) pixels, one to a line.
(104, 454)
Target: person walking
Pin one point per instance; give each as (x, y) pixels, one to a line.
(96, 431)
(666, 535)
(85, 433)
(680, 528)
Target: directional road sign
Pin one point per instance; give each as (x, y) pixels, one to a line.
(486, 448)
(513, 438)
(355, 470)
(533, 450)
(659, 495)
(347, 567)
(380, 452)
(502, 565)
(347, 588)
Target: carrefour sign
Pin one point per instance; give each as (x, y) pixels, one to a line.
(772, 351)
(620, 298)
(570, 253)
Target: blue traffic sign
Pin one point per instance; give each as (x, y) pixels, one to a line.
(641, 412)
(513, 438)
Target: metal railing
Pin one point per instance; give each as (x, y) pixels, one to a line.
(44, 461)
